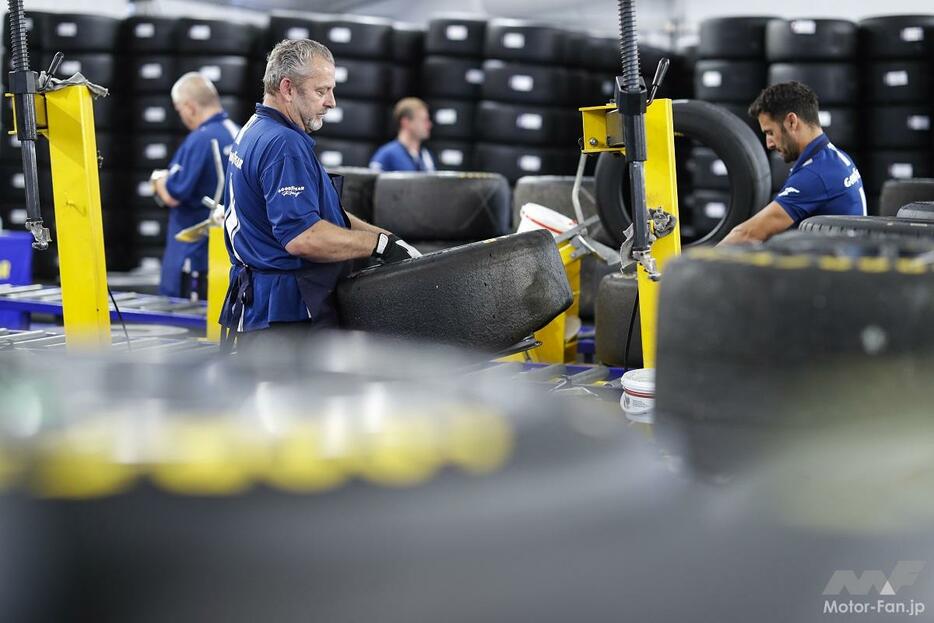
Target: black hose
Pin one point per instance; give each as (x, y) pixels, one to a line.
(629, 44)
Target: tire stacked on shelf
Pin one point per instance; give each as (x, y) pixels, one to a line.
(731, 72)
(526, 123)
(452, 77)
(156, 131)
(821, 53)
(898, 58)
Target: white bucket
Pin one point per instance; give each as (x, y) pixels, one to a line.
(535, 216)
(638, 399)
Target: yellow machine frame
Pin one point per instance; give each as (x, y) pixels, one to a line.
(66, 118)
(661, 192)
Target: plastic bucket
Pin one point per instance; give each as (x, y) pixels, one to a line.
(535, 216)
(638, 399)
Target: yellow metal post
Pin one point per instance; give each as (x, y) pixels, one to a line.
(80, 231)
(218, 280)
(661, 191)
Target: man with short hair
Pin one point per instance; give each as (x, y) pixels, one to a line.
(824, 179)
(191, 175)
(406, 152)
(289, 239)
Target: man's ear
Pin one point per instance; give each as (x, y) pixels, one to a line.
(285, 88)
(792, 121)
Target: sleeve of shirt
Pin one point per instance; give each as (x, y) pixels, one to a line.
(291, 191)
(188, 168)
(378, 161)
(802, 194)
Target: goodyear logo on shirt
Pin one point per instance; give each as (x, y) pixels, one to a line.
(291, 191)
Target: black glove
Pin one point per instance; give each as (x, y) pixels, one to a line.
(391, 248)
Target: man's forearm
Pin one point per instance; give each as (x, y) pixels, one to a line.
(326, 242)
(158, 186)
(358, 224)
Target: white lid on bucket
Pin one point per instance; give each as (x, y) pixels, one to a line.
(640, 381)
(535, 216)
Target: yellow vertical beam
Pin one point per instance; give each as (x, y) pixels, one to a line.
(218, 280)
(80, 232)
(661, 191)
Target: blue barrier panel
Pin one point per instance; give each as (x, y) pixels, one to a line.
(15, 269)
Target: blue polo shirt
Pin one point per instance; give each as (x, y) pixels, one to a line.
(824, 180)
(393, 156)
(276, 189)
(192, 175)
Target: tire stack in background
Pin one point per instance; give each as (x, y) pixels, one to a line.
(451, 81)
(823, 54)
(731, 72)
(355, 128)
(150, 70)
(898, 60)
(526, 122)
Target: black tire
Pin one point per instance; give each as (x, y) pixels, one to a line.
(741, 112)
(843, 126)
(900, 127)
(842, 338)
(733, 37)
(357, 194)
(154, 113)
(593, 270)
(152, 151)
(898, 82)
(707, 210)
(918, 211)
(432, 246)
(334, 152)
(442, 206)
(553, 192)
(731, 139)
(452, 155)
(602, 55)
(729, 81)
(98, 68)
(524, 84)
(522, 124)
(13, 187)
(615, 311)
(214, 37)
(139, 190)
(142, 34)
(403, 82)
(897, 36)
(149, 226)
(836, 84)
(362, 79)
(708, 172)
(898, 193)
(75, 32)
(34, 22)
(356, 36)
(151, 74)
(487, 295)
(811, 40)
(229, 74)
(456, 37)
(845, 245)
(895, 165)
(516, 40)
(237, 109)
(517, 161)
(289, 26)
(868, 226)
(355, 119)
(452, 119)
(408, 43)
(459, 78)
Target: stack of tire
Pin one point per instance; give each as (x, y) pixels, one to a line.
(898, 57)
(731, 72)
(821, 53)
(452, 77)
(526, 122)
(158, 52)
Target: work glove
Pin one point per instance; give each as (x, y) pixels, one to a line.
(391, 248)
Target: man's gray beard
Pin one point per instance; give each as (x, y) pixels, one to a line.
(315, 125)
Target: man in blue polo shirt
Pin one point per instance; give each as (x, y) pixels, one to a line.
(824, 179)
(288, 238)
(191, 175)
(406, 152)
